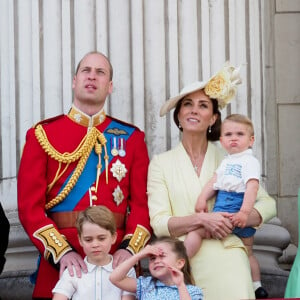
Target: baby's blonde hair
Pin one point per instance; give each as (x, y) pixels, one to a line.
(242, 119)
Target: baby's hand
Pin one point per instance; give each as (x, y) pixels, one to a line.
(239, 219)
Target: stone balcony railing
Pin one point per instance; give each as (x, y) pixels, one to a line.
(271, 240)
(270, 243)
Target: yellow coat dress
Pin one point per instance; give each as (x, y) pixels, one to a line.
(220, 268)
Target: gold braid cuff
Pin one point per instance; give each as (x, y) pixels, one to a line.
(81, 153)
(53, 242)
(139, 239)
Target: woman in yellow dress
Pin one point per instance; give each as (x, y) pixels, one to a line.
(176, 178)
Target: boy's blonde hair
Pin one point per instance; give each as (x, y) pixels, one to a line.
(99, 215)
(238, 118)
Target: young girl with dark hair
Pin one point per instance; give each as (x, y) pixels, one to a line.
(170, 270)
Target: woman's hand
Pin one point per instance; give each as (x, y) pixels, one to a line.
(218, 224)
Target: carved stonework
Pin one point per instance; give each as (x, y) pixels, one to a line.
(270, 241)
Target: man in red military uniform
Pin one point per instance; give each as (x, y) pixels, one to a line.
(77, 160)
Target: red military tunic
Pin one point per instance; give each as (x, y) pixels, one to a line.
(58, 177)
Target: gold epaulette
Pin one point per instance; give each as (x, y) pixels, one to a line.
(139, 239)
(53, 242)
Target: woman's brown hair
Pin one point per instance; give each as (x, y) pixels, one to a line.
(214, 133)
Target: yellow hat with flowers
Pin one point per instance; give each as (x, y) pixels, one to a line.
(222, 87)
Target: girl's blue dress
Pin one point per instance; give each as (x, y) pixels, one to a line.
(149, 288)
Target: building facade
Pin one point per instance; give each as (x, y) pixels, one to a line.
(156, 47)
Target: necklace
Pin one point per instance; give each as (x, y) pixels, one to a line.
(197, 163)
(197, 158)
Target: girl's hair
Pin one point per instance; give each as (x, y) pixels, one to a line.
(99, 215)
(214, 134)
(242, 119)
(178, 247)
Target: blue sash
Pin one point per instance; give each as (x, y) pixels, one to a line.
(89, 173)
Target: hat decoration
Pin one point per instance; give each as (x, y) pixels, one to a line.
(222, 87)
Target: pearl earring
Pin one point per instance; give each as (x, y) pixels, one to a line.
(209, 129)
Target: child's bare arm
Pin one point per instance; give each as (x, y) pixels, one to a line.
(207, 193)
(57, 296)
(178, 279)
(119, 275)
(240, 219)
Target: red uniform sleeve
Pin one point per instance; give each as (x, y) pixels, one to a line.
(138, 223)
(32, 187)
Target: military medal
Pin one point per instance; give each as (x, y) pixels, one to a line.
(118, 170)
(114, 151)
(122, 151)
(118, 195)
